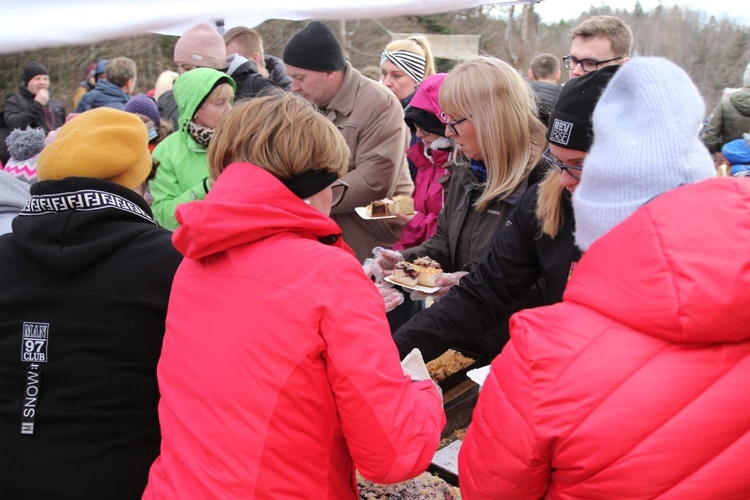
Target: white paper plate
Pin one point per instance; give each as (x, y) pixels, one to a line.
(418, 288)
(362, 212)
(447, 457)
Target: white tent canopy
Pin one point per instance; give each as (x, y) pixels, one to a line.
(35, 24)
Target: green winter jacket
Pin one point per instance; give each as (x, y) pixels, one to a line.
(182, 175)
(729, 121)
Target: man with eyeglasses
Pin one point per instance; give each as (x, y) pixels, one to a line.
(598, 42)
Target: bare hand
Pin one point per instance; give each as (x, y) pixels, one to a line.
(402, 219)
(42, 97)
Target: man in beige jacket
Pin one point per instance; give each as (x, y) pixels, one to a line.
(372, 122)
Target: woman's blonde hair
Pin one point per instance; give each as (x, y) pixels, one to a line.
(164, 82)
(416, 45)
(494, 96)
(221, 91)
(549, 202)
(281, 133)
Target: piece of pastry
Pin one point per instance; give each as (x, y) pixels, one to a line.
(404, 205)
(428, 276)
(447, 364)
(405, 273)
(429, 271)
(381, 208)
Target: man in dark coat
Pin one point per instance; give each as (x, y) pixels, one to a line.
(544, 74)
(32, 106)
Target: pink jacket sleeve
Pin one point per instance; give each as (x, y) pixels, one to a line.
(419, 229)
(501, 456)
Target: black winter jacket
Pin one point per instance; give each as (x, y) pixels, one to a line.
(463, 235)
(86, 278)
(249, 82)
(474, 315)
(21, 111)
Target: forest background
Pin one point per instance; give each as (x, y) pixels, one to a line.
(713, 51)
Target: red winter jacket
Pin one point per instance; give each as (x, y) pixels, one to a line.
(636, 385)
(278, 375)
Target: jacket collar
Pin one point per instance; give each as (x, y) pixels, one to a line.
(344, 100)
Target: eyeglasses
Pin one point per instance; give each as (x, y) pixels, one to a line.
(587, 65)
(450, 124)
(338, 190)
(554, 163)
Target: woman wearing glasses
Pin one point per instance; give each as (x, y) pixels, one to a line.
(535, 248)
(490, 113)
(278, 375)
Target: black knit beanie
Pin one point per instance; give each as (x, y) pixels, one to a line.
(31, 70)
(315, 48)
(570, 124)
(415, 117)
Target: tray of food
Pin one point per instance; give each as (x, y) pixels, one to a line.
(449, 369)
(387, 208)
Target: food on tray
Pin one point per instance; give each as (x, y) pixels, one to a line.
(423, 487)
(404, 205)
(429, 271)
(381, 208)
(447, 364)
(405, 273)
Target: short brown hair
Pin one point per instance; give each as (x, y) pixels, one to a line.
(248, 39)
(120, 70)
(610, 27)
(545, 66)
(280, 133)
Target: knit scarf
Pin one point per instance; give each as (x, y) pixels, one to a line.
(201, 134)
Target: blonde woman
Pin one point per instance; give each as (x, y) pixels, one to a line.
(489, 112)
(536, 247)
(404, 64)
(204, 96)
(278, 375)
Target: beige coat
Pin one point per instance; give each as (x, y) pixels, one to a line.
(372, 122)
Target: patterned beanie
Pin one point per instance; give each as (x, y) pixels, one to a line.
(201, 46)
(570, 120)
(142, 104)
(645, 143)
(315, 48)
(411, 64)
(103, 143)
(31, 70)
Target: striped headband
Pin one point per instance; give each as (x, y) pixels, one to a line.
(410, 63)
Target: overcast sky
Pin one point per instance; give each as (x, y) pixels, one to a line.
(555, 10)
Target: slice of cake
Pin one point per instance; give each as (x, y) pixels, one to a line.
(381, 208)
(447, 364)
(404, 205)
(429, 271)
(405, 273)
